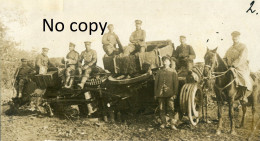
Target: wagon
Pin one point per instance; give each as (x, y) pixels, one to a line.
(141, 69)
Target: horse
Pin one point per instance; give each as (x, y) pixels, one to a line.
(226, 90)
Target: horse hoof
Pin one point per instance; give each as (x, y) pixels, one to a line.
(233, 133)
(218, 132)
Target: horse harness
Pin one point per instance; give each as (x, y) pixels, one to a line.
(219, 74)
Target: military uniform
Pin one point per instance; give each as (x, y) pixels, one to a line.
(42, 63)
(73, 57)
(185, 56)
(22, 76)
(165, 90)
(109, 41)
(236, 56)
(90, 60)
(137, 41)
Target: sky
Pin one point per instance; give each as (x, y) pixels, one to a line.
(199, 20)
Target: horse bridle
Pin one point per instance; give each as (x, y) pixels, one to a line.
(219, 74)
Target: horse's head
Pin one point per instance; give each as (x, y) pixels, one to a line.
(210, 60)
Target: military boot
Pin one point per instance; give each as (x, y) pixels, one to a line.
(70, 83)
(83, 81)
(66, 82)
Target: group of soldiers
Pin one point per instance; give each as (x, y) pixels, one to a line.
(166, 80)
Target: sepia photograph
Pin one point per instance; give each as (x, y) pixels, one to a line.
(129, 70)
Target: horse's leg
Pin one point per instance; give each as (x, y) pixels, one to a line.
(220, 109)
(254, 104)
(231, 116)
(244, 114)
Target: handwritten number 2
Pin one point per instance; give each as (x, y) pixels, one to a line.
(250, 8)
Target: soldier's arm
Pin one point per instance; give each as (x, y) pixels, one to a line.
(80, 59)
(119, 44)
(156, 81)
(105, 39)
(175, 83)
(242, 58)
(94, 59)
(192, 54)
(38, 61)
(132, 39)
(74, 59)
(143, 36)
(175, 53)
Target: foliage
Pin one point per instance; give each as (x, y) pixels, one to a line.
(10, 57)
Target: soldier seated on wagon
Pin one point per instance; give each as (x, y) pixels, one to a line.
(22, 76)
(137, 40)
(110, 40)
(184, 55)
(90, 59)
(42, 63)
(71, 64)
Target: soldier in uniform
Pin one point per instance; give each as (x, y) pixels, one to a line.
(71, 64)
(42, 62)
(90, 59)
(184, 55)
(236, 59)
(21, 76)
(110, 40)
(165, 90)
(137, 40)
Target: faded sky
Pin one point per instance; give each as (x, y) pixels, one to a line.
(198, 20)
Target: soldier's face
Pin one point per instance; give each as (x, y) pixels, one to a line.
(183, 40)
(111, 28)
(24, 63)
(87, 47)
(166, 63)
(235, 39)
(71, 48)
(138, 26)
(45, 53)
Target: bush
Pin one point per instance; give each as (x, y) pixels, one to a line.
(10, 57)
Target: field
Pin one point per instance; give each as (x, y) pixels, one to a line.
(28, 126)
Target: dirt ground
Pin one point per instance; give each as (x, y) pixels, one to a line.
(30, 127)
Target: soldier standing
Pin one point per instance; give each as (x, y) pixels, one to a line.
(90, 59)
(165, 90)
(21, 76)
(184, 55)
(71, 64)
(110, 40)
(137, 40)
(42, 62)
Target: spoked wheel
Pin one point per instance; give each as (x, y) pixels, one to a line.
(190, 102)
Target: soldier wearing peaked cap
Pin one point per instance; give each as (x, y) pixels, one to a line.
(137, 40)
(184, 55)
(90, 59)
(236, 58)
(22, 76)
(166, 90)
(110, 40)
(42, 62)
(72, 59)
